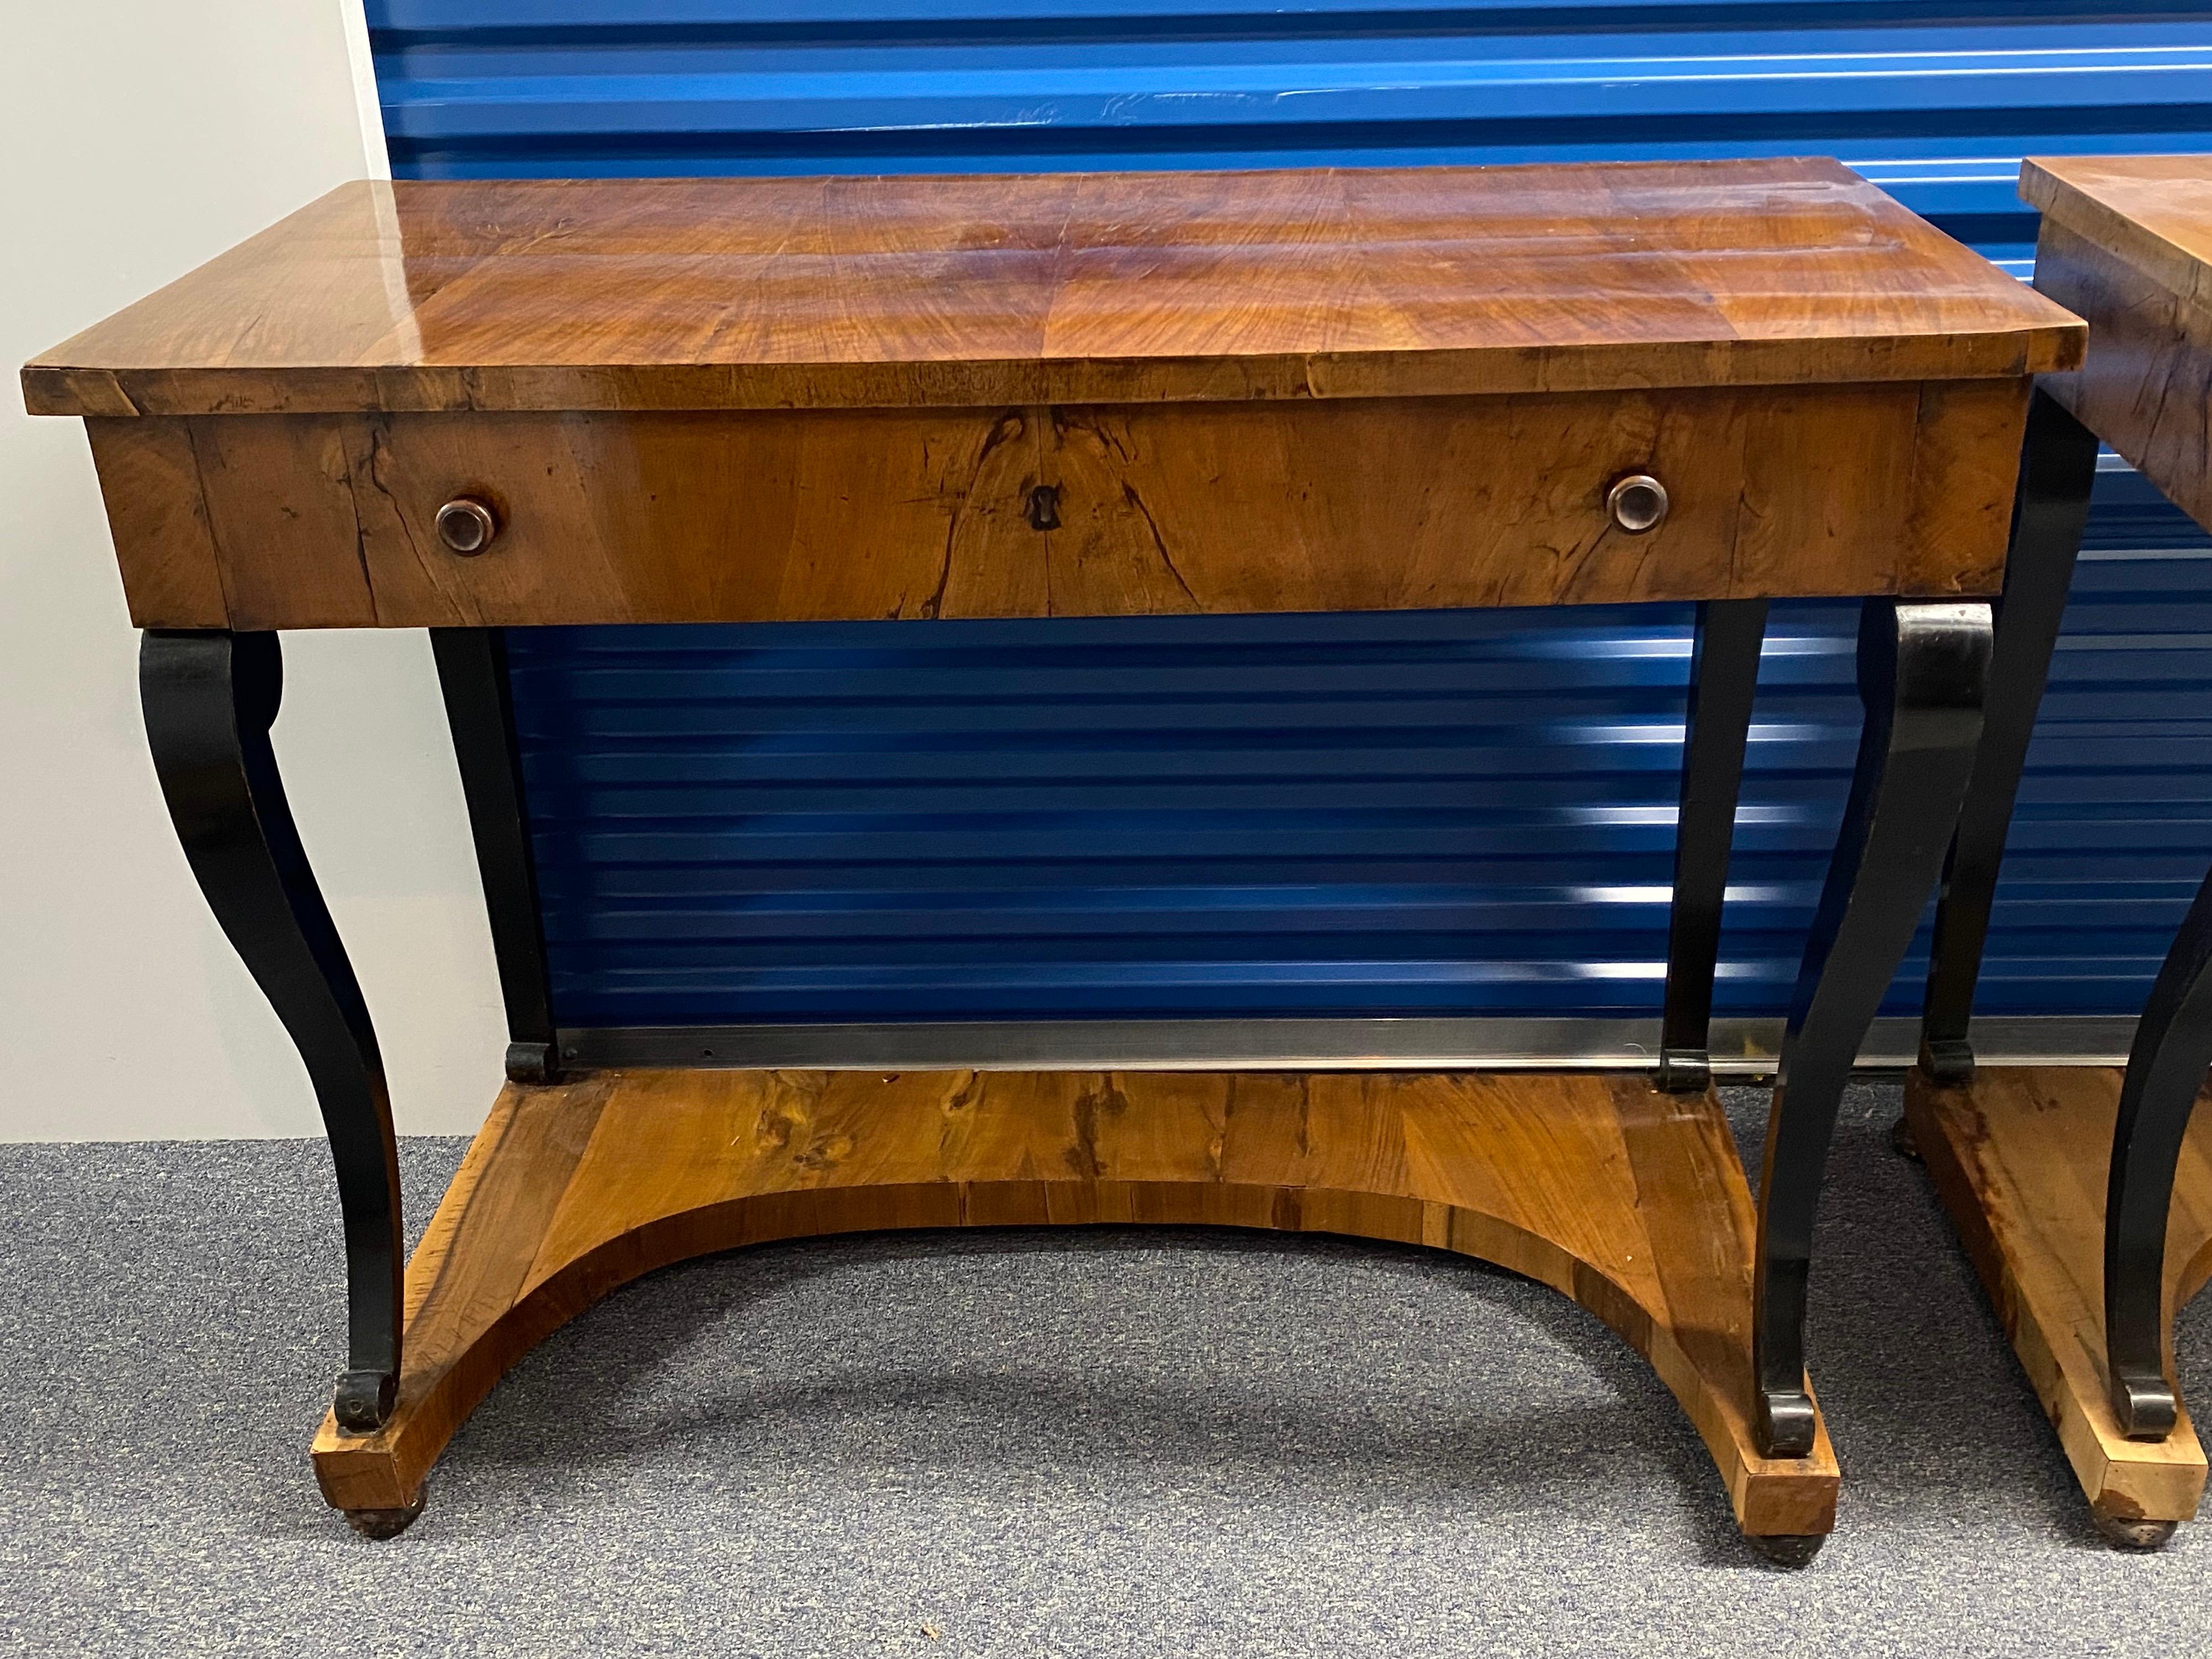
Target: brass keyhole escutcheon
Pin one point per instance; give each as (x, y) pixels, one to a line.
(466, 526)
(1637, 502)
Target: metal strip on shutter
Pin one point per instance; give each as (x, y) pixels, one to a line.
(1421, 814)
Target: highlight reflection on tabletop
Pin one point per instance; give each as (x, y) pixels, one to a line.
(714, 293)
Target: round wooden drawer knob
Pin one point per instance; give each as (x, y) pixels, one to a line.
(1637, 503)
(466, 526)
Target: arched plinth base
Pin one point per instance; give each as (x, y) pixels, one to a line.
(1630, 1201)
(2020, 1157)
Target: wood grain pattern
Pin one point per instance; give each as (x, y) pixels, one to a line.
(998, 291)
(2155, 212)
(2127, 243)
(1629, 1200)
(2020, 1157)
(2146, 387)
(157, 516)
(326, 521)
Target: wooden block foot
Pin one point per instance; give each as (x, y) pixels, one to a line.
(1629, 1200)
(2020, 1157)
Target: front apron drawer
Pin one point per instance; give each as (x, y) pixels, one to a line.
(333, 520)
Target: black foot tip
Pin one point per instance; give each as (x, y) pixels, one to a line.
(2146, 1407)
(1903, 1142)
(533, 1063)
(1948, 1063)
(387, 1523)
(363, 1400)
(2123, 1533)
(1785, 1425)
(1684, 1072)
(1787, 1549)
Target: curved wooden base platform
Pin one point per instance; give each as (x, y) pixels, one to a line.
(2020, 1157)
(1630, 1201)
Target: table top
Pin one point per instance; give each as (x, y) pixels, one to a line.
(1067, 288)
(2154, 211)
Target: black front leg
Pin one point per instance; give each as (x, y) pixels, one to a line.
(2166, 1069)
(2058, 465)
(1724, 680)
(209, 699)
(1922, 670)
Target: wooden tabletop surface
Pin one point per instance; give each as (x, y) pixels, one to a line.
(2154, 211)
(2126, 243)
(1097, 288)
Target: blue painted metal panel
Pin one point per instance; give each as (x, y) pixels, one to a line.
(1350, 815)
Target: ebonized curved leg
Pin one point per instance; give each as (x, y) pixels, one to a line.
(209, 700)
(1922, 670)
(480, 709)
(1723, 680)
(2058, 465)
(2167, 1066)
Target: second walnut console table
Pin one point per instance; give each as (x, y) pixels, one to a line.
(2084, 1194)
(471, 407)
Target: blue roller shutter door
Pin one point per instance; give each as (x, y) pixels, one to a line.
(1438, 813)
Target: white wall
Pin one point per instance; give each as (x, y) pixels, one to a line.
(142, 138)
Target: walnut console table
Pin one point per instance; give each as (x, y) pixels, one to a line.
(2084, 1194)
(471, 407)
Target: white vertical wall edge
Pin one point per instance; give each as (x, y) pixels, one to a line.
(123, 1012)
(352, 16)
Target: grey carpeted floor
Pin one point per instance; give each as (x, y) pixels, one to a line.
(1023, 1443)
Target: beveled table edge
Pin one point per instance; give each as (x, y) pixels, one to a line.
(2044, 185)
(52, 387)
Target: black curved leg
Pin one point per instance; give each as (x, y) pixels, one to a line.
(209, 699)
(2058, 465)
(1723, 680)
(1922, 670)
(480, 708)
(2166, 1069)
